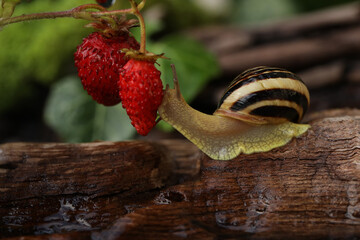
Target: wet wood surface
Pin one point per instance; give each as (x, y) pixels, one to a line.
(30, 170)
(308, 188)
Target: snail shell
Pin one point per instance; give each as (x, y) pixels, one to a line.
(264, 95)
(259, 111)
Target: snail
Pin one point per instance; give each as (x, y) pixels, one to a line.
(259, 111)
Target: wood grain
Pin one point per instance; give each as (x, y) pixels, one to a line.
(30, 170)
(308, 188)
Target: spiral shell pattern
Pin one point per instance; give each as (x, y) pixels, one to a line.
(265, 95)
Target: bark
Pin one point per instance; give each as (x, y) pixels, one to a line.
(142, 190)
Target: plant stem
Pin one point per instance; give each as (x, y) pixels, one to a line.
(121, 11)
(36, 16)
(75, 13)
(136, 12)
(78, 12)
(114, 12)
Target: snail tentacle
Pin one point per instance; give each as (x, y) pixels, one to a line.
(176, 82)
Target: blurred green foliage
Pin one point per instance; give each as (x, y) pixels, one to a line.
(35, 52)
(77, 118)
(40, 53)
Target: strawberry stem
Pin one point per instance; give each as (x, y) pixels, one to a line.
(136, 12)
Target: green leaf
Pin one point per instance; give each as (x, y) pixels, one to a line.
(195, 66)
(76, 117)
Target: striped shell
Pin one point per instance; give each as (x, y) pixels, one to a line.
(265, 95)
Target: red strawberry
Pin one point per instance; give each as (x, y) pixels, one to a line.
(141, 92)
(98, 60)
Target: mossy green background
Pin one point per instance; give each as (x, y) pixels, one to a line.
(37, 52)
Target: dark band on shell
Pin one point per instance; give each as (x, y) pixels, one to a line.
(267, 92)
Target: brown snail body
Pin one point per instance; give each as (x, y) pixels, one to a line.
(259, 111)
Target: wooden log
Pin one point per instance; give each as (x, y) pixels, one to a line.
(54, 183)
(30, 170)
(224, 39)
(308, 188)
(299, 43)
(295, 54)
